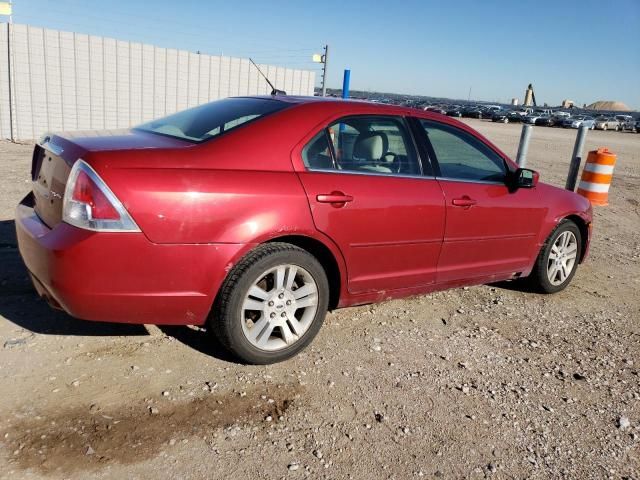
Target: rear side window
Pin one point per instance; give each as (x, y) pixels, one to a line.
(317, 153)
(462, 156)
(365, 144)
(207, 121)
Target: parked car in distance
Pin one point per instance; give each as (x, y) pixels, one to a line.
(476, 112)
(524, 111)
(557, 119)
(607, 123)
(579, 120)
(624, 118)
(501, 116)
(455, 111)
(434, 109)
(626, 122)
(469, 109)
(636, 126)
(532, 117)
(543, 111)
(559, 116)
(253, 216)
(545, 121)
(514, 117)
(493, 108)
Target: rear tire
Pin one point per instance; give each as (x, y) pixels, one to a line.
(261, 315)
(558, 260)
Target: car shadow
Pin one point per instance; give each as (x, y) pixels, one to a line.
(520, 285)
(20, 304)
(199, 340)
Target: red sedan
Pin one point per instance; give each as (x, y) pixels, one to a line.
(254, 216)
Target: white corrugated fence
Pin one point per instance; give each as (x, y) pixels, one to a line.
(63, 81)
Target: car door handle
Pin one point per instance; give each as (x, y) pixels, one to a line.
(334, 197)
(463, 202)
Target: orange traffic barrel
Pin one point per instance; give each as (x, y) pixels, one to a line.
(597, 175)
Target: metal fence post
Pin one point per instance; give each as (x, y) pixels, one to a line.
(572, 177)
(523, 147)
(576, 158)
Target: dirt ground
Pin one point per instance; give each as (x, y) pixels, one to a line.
(480, 382)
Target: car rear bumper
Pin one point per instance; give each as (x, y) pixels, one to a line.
(121, 277)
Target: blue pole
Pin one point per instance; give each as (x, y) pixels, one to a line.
(345, 83)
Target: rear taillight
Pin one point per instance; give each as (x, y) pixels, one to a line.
(90, 204)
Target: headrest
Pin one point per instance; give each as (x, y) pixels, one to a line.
(370, 145)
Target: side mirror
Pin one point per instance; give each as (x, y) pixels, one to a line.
(525, 178)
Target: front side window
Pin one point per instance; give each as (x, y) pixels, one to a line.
(212, 119)
(365, 144)
(462, 156)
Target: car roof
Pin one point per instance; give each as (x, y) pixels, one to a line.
(343, 104)
(306, 99)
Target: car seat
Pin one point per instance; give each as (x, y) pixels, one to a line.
(369, 152)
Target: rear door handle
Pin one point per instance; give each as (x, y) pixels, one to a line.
(463, 202)
(334, 197)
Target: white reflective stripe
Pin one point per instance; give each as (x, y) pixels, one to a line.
(594, 187)
(595, 168)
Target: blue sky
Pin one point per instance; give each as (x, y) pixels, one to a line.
(583, 50)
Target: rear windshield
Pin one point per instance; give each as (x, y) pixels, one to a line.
(207, 121)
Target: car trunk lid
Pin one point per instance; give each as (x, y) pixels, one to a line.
(50, 169)
(54, 156)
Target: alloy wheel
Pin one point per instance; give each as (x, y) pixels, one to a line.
(279, 307)
(562, 258)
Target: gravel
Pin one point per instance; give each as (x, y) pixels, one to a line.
(487, 381)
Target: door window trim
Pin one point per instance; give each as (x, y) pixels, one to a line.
(413, 143)
(430, 151)
(371, 174)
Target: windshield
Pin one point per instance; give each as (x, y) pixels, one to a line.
(212, 119)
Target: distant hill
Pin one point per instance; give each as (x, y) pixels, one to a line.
(609, 105)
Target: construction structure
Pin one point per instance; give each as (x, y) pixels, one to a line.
(529, 97)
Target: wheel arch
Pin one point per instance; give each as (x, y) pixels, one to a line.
(583, 226)
(325, 256)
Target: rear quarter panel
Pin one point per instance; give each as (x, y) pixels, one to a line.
(237, 188)
(212, 206)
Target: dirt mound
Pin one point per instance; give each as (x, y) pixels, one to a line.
(609, 105)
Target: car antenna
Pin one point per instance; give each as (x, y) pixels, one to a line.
(274, 90)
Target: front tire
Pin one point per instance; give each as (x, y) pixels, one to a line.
(558, 259)
(271, 305)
